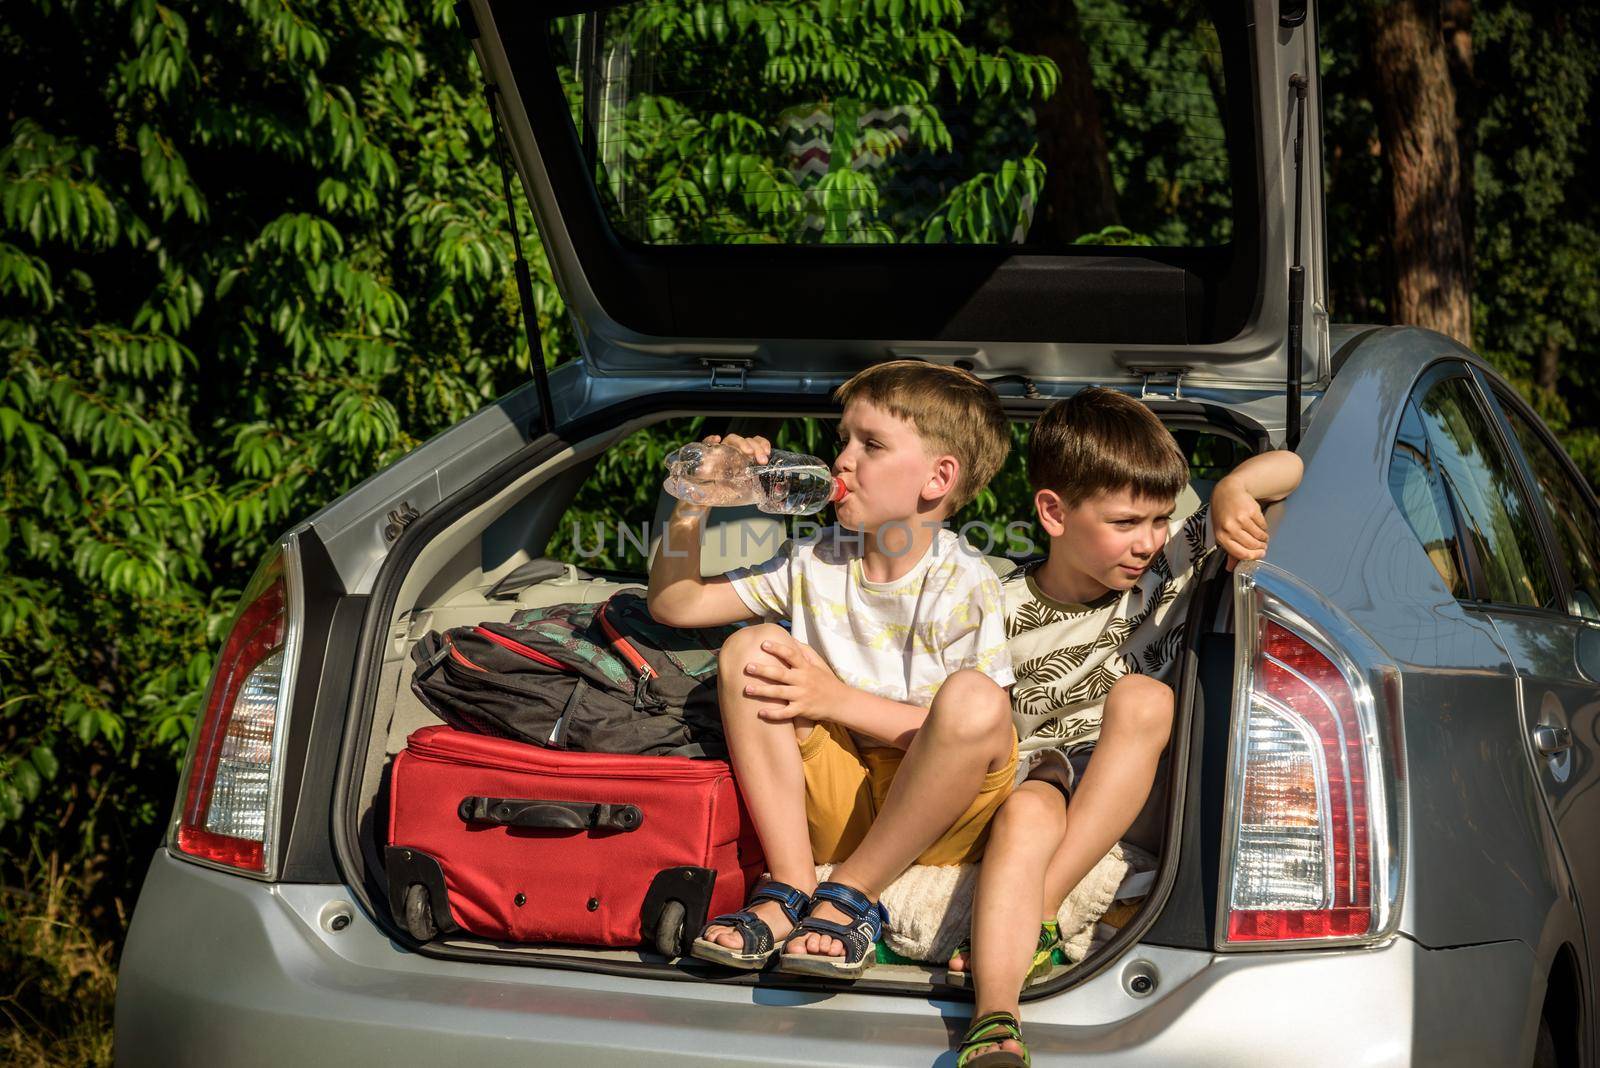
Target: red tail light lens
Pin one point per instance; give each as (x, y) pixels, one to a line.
(228, 798)
(1312, 801)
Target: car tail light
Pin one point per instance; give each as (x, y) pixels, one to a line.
(231, 790)
(1312, 847)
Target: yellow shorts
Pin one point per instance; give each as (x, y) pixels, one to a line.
(845, 788)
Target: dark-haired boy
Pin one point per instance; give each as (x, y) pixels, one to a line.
(1095, 630)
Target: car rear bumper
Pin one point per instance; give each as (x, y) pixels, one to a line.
(225, 970)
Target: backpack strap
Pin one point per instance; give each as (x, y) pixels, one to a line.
(429, 653)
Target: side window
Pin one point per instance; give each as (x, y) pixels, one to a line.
(1496, 520)
(1418, 488)
(1571, 517)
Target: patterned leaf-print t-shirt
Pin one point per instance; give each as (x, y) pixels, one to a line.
(899, 639)
(1068, 655)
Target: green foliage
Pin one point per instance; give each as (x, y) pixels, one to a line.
(1158, 79)
(1537, 282)
(1527, 116)
(249, 254)
(695, 156)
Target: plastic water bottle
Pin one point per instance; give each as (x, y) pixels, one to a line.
(720, 476)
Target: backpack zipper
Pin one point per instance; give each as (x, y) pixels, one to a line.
(460, 657)
(517, 647)
(629, 653)
(643, 699)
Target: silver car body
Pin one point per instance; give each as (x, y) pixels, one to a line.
(222, 969)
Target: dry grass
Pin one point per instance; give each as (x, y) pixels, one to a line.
(58, 980)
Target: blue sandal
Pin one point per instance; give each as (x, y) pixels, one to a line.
(759, 944)
(860, 935)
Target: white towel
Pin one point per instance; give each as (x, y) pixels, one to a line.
(930, 908)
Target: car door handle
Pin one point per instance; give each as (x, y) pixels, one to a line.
(1551, 740)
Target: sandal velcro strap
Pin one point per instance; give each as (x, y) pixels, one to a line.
(991, 1029)
(853, 903)
(753, 929)
(792, 901)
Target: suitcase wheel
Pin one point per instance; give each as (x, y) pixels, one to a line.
(419, 913)
(671, 939)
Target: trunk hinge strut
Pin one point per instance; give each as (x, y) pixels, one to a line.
(717, 366)
(1297, 272)
(530, 321)
(1172, 374)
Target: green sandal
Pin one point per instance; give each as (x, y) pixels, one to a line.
(1044, 958)
(989, 1030)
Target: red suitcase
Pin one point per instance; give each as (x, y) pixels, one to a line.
(513, 842)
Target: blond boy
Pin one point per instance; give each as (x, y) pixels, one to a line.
(875, 733)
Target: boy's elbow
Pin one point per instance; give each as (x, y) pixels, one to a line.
(662, 608)
(1292, 470)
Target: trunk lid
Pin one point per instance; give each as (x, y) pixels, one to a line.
(781, 187)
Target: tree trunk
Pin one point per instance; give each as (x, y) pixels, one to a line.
(1416, 107)
(1549, 371)
(1078, 195)
(1456, 24)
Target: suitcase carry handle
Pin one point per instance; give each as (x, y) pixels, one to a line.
(568, 815)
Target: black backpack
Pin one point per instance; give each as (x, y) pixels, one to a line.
(597, 678)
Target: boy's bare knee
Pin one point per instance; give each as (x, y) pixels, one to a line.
(1035, 803)
(970, 708)
(969, 682)
(1141, 704)
(1033, 809)
(744, 645)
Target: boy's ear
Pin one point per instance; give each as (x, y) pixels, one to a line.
(1052, 512)
(946, 473)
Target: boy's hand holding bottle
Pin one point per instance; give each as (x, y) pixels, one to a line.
(733, 470)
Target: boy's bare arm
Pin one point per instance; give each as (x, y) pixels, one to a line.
(879, 718)
(1266, 477)
(679, 596)
(810, 690)
(1236, 515)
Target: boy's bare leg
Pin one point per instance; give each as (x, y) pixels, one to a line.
(1115, 785)
(766, 759)
(1023, 837)
(967, 735)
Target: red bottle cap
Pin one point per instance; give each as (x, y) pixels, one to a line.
(839, 491)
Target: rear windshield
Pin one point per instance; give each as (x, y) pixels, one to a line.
(990, 122)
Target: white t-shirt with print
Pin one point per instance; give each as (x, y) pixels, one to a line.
(899, 639)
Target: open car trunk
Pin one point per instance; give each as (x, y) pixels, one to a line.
(491, 558)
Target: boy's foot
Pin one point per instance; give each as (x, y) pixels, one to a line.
(839, 935)
(768, 912)
(1045, 957)
(748, 938)
(821, 945)
(993, 1041)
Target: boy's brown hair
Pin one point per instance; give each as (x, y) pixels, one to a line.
(952, 410)
(1099, 440)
